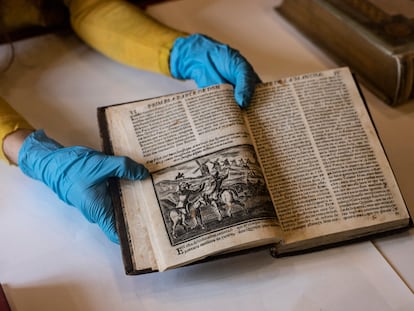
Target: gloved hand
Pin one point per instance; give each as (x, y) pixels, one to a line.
(209, 62)
(78, 176)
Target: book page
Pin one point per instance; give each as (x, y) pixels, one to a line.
(206, 194)
(324, 165)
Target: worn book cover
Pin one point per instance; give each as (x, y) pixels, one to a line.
(375, 38)
(4, 305)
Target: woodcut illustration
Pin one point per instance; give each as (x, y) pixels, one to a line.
(211, 193)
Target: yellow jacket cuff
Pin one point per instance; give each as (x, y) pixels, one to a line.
(124, 32)
(10, 121)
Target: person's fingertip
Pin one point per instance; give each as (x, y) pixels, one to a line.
(114, 238)
(142, 172)
(241, 99)
(110, 230)
(131, 170)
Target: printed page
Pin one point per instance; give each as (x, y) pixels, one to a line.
(324, 165)
(206, 194)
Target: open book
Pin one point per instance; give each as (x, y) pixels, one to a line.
(301, 168)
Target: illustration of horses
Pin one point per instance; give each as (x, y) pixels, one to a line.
(187, 220)
(229, 199)
(177, 217)
(195, 212)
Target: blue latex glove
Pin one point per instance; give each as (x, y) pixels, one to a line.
(78, 175)
(209, 62)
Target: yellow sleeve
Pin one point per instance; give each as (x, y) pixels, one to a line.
(123, 32)
(10, 121)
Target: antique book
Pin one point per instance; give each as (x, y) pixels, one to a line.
(301, 168)
(375, 38)
(4, 305)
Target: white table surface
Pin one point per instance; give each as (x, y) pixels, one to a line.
(51, 258)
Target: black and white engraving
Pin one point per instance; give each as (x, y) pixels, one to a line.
(211, 193)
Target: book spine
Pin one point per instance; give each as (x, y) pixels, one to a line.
(406, 74)
(116, 195)
(4, 305)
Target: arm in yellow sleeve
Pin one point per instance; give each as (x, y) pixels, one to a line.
(123, 32)
(10, 121)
